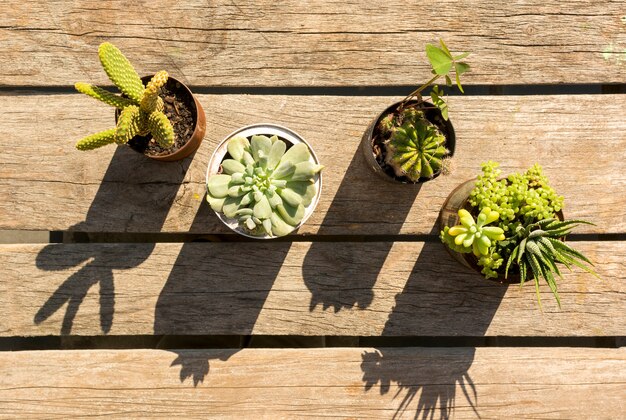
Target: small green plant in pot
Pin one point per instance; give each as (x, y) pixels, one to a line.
(528, 241)
(412, 141)
(161, 119)
(261, 184)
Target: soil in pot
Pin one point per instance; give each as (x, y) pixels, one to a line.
(378, 140)
(180, 109)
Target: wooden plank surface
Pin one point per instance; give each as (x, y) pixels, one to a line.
(321, 288)
(45, 184)
(533, 383)
(324, 43)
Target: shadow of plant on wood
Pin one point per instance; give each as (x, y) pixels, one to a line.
(344, 284)
(135, 195)
(441, 298)
(216, 289)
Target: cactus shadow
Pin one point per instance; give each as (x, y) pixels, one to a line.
(441, 298)
(215, 289)
(331, 270)
(124, 201)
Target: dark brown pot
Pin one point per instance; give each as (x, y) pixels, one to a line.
(138, 143)
(432, 113)
(448, 216)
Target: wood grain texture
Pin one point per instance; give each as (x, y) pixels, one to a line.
(46, 184)
(321, 288)
(532, 383)
(320, 43)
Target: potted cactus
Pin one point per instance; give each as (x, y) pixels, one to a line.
(412, 141)
(162, 119)
(526, 238)
(263, 181)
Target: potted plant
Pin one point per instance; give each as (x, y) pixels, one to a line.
(412, 140)
(162, 119)
(263, 181)
(510, 229)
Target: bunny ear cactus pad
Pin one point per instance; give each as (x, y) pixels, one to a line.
(264, 186)
(141, 109)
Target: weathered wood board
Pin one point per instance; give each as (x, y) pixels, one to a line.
(45, 184)
(327, 43)
(533, 383)
(320, 288)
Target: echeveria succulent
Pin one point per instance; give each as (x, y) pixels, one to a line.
(264, 185)
(471, 236)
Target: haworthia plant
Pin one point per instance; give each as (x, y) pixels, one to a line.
(141, 108)
(264, 185)
(416, 149)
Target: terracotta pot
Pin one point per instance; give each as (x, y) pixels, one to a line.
(432, 113)
(448, 216)
(174, 85)
(283, 133)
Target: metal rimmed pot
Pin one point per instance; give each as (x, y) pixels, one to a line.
(373, 141)
(267, 129)
(139, 143)
(448, 216)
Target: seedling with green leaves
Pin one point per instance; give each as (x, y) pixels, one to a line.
(264, 186)
(443, 63)
(141, 107)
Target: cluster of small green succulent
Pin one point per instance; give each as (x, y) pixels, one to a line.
(519, 198)
(264, 186)
(141, 108)
(532, 234)
(415, 147)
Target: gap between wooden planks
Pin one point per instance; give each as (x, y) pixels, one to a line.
(323, 288)
(45, 184)
(338, 382)
(291, 43)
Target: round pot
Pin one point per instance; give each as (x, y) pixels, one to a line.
(283, 133)
(138, 143)
(448, 216)
(371, 139)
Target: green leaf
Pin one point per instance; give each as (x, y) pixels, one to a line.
(296, 154)
(236, 146)
(458, 83)
(291, 214)
(461, 68)
(260, 147)
(232, 166)
(448, 81)
(279, 227)
(276, 153)
(231, 206)
(290, 196)
(439, 60)
(215, 203)
(461, 56)
(262, 208)
(218, 185)
(305, 171)
(445, 49)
